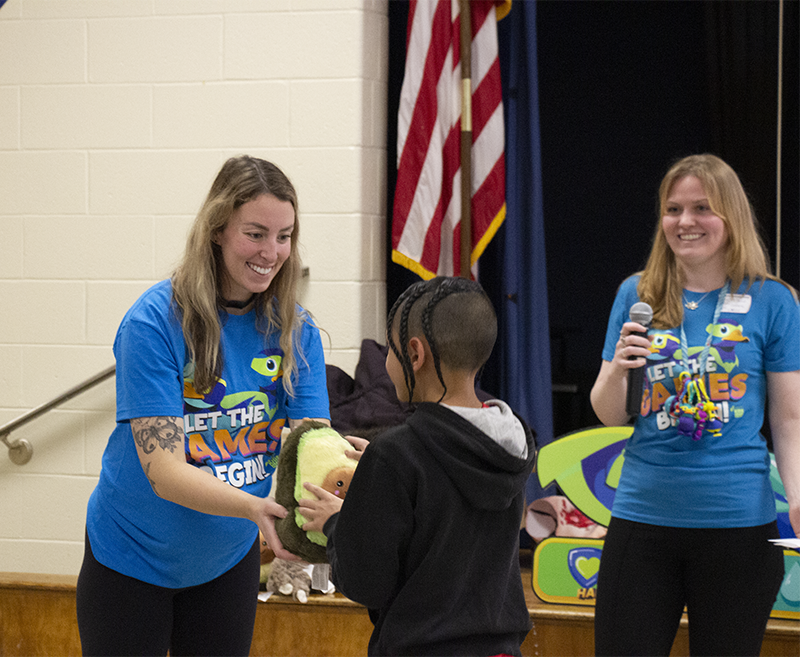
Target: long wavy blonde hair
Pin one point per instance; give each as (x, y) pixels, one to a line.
(661, 283)
(197, 280)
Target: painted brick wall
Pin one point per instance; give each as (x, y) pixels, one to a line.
(115, 115)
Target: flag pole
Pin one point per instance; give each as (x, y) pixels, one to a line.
(466, 136)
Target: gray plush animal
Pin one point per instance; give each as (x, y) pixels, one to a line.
(289, 578)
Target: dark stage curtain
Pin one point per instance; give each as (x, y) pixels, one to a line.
(742, 92)
(515, 272)
(397, 278)
(742, 63)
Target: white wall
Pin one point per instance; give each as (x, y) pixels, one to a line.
(115, 116)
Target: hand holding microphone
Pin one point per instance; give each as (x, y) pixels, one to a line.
(640, 313)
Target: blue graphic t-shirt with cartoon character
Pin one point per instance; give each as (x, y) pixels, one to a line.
(232, 431)
(719, 480)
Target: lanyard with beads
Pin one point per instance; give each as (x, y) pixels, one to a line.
(692, 406)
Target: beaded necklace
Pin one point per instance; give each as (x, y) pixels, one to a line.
(692, 406)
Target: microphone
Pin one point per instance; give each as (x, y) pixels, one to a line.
(641, 313)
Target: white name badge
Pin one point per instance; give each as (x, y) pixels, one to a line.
(737, 303)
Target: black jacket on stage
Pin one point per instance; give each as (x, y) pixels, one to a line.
(428, 538)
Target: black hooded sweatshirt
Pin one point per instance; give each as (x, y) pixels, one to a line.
(428, 538)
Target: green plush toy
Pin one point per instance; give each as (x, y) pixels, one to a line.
(314, 453)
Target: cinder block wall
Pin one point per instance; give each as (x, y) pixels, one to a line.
(114, 118)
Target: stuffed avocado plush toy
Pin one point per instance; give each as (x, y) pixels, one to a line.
(314, 453)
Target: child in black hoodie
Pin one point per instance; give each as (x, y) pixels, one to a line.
(428, 536)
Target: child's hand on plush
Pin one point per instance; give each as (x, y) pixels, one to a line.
(360, 444)
(318, 511)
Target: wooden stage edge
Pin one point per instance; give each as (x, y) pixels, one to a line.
(37, 617)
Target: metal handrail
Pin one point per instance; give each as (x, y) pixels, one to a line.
(20, 451)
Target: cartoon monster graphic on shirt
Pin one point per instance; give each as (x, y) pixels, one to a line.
(728, 334)
(665, 347)
(267, 363)
(192, 399)
(231, 433)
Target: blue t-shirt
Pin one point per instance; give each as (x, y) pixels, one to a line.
(233, 432)
(668, 478)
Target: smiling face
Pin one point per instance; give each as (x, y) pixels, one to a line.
(696, 235)
(255, 243)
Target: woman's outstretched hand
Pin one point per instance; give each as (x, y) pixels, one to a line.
(265, 519)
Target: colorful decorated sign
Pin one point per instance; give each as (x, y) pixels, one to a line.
(565, 570)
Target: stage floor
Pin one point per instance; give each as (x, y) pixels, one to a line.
(37, 617)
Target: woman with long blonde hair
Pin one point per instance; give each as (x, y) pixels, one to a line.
(694, 511)
(211, 365)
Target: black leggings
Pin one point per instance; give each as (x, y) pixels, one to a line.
(728, 580)
(121, 615)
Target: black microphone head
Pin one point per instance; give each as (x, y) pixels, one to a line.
(641, 313)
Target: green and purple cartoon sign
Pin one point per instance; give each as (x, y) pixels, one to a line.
(586, 465)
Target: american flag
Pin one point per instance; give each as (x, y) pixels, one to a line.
(427, 203)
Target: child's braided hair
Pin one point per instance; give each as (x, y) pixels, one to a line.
(455, 317)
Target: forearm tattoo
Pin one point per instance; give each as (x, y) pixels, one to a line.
(152, 432)
(150, 479)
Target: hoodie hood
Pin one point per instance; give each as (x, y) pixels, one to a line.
(482, 470)
(497, 420)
